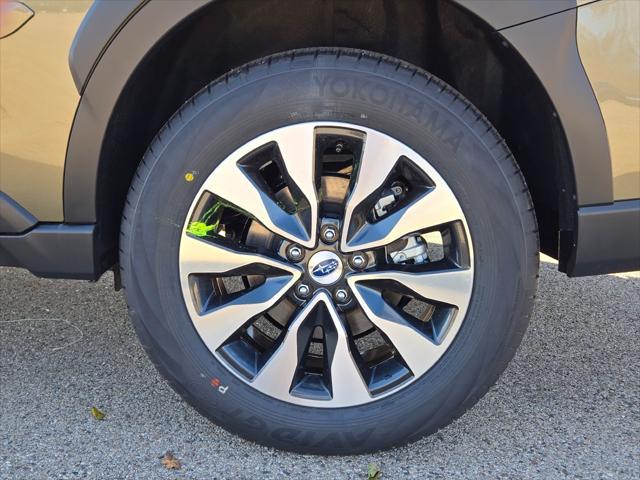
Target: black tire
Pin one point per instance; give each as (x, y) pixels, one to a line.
(374, 91)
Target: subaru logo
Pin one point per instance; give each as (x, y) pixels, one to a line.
(325, 267)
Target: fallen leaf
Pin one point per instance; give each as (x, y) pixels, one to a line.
(97, 413)
(170, 462)
(373, 472)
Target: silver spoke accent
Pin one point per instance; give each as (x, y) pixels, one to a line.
(446, 286)
(297, 147)
(379, 156)
(435, 207)
(201, 256)
(231, 183)
(215, 327)
(347, 384)
(416, 349)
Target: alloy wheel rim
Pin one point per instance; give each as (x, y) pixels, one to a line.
(405, 295)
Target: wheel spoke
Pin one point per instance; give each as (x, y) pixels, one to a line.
(435, 207)
(201, 256)
(218, 325)
(450, 286)
(231, 182)
(346, 380)
(379, 156)
(277, 375)
(418, 351)
(297, 147)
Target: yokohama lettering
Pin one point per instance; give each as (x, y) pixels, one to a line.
(394, 100)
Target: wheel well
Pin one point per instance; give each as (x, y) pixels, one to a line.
(441, 37)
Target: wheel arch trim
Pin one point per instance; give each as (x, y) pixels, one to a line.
(142, 29)
(99, 27)
(147, 22)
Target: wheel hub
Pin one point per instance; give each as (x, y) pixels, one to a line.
(325, 267)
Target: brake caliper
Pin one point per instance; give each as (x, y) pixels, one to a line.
(409, 250)
(390, 196)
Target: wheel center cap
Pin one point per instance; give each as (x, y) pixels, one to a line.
(325, 267)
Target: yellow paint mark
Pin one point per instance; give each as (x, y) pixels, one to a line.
(189, 176)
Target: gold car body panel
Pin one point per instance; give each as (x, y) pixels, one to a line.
(609, 45)
(38, 100)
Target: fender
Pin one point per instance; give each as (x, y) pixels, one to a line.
(101, 82)
(555, 59)
(116, 36)
(106, 19)
(99, 27)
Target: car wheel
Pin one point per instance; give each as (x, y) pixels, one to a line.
(329, 251)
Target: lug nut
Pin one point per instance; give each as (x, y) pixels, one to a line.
(358, 261)
(328, 233)
(341, 295)
(303, 290)
(295, 253)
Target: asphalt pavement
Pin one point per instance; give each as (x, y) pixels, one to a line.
(568, 406)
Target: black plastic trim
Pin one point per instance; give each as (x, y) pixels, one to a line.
(55, 250)
(14, 218)
(100, 26)
(608, 240)
(550, 48)
(501, 16)
(104, 21)
(118, 60)
(553, 56)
